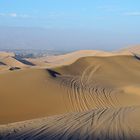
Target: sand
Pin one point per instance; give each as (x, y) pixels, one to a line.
(131, 49)
(98, 124)
(8, 60)
(90, 97)
(69, 58)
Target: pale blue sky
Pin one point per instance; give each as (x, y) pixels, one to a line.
(116, 21)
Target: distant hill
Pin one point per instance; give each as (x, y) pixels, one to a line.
(9, 60)
(131, 50)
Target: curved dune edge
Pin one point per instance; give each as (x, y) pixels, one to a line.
(99, 124)
(102, 94)
(69, 58)
(9, 60)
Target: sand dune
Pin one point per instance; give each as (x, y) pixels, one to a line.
(6, 54)
(91, 97)
(98, 124)
(131, 49)
(12, 62)
(8, 60)
(69, 58)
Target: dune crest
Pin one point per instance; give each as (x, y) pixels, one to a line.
(70, 58)
(10, 61)
(94, 95)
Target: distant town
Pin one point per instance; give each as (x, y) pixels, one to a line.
(33, 53)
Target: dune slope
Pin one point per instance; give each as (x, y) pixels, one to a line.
(98, 124)
(92, 98)
(9, 60)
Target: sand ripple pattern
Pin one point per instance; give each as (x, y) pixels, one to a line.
(96, 114)
(98, 124)
(85, 93)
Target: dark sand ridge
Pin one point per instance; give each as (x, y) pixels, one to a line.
(9, 60)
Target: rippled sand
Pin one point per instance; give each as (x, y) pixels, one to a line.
(95, 97)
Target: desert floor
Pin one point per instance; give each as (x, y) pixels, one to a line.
(84, 95)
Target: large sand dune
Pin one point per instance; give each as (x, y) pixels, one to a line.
(94, 97)
(69, 58)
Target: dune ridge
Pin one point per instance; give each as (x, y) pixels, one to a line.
(91, 97)
(70, 58)
(9, 60)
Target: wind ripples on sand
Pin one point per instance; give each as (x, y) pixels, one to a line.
(95, 110)
(98, 124)
(85, 94)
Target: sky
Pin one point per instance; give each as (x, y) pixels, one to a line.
(72, 24)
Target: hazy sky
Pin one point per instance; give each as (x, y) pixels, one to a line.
(79, 24)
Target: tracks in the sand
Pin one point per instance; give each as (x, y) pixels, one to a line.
(96, 113)
(98, 124)
(85, 93)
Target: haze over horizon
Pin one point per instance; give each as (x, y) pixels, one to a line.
(69, 25)
(69, 70)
